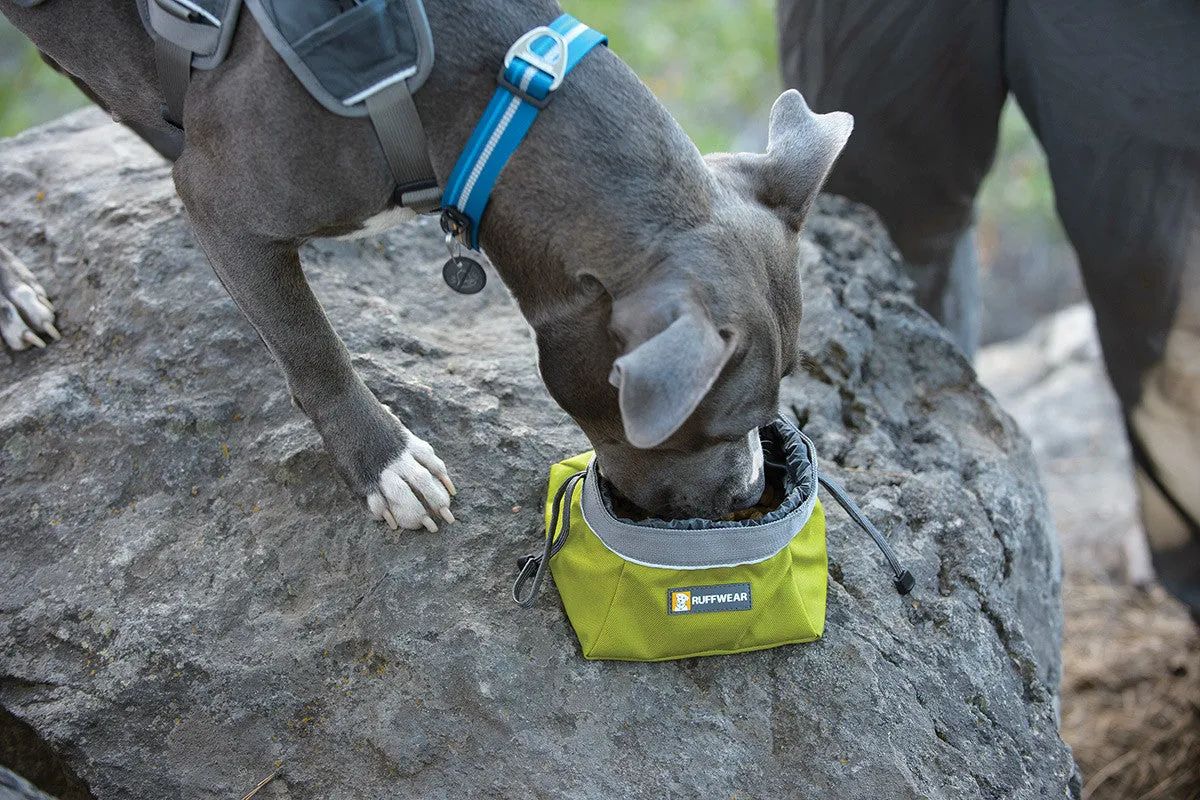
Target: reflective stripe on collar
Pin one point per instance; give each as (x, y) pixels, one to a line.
(509, 116)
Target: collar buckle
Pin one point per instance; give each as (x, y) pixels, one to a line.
(553, 63)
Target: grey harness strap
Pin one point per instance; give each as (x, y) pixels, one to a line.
(402, 136)
(188, 33)
(359, 59)
(174, 74)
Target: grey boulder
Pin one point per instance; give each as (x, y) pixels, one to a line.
(1054, 383)
(191, 601)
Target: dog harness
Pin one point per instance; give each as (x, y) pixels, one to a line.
(357, 58)
(367, 58)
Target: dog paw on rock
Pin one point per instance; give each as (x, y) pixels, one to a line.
(412, 488)
(26, 313)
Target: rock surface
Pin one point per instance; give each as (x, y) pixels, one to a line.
(191, 601)
(1052, 381)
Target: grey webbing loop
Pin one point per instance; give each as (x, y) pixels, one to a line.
(534, 566)
(181, 29)
(174, 74)
(904, 579)
(420, 200)
(400, 132)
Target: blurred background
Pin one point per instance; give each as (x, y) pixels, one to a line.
(1131, 691)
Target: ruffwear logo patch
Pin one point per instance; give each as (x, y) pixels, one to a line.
(681, 602)
(703, 599)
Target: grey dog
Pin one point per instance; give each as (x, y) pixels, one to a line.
(662, 286)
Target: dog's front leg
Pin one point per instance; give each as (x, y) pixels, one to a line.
(25, 310)
(402, 479)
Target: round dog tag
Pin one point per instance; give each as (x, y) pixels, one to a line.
(464, 275)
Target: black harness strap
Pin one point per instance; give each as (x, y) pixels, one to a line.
(174, 75)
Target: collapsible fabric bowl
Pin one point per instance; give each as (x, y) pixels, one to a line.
(657, 590)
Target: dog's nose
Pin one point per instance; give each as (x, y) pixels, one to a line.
(750, 496)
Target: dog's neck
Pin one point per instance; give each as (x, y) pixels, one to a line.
(596, 188)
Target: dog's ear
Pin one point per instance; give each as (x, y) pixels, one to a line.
(673, 354)
(801, 150)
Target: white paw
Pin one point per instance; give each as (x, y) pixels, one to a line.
(412, 489)
(26, 313)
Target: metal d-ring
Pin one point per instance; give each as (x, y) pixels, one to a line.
(523, 49)
(453, 245)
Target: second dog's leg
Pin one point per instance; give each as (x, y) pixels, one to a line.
(402, 479)
(1126, 170)
(925, 83)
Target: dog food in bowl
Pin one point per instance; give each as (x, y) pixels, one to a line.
(772, 496)
(785, 463)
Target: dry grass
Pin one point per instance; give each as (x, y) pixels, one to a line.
(1131, 692)
(262, 783)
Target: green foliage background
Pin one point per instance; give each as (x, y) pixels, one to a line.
(30, 92)
(714, 64)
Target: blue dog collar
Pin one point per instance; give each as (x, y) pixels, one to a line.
(533, 68)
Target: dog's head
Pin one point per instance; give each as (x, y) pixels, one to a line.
(700, 340)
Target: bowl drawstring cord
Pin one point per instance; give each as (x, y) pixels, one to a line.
(903, 578)
(534, 565)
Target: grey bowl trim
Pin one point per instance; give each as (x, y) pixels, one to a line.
(674, 548)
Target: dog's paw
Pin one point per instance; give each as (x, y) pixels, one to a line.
(26, 313)
(413, 488)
